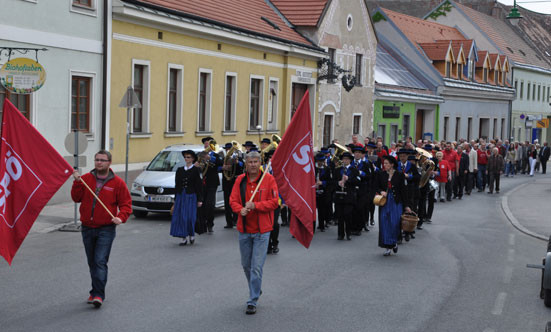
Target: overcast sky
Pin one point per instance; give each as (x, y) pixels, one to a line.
(534, 5)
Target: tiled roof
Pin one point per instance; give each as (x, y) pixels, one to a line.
(242, 14)
(481, 58)
(493, 59)
(504, 37)
(436, 51)
(301, 13)
(420, 31)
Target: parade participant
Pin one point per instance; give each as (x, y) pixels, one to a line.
(544, 157)
(473, 164)
(463, 173)
(381, 151)
(390, 184)
(248, 145)
(412, 177)
(324, 184)
(346, 178)
(442, 175)
(265, 143)
(358, 221)
(495, 169)
(232, 168)
(211, 166)
(255, 222)
(451, 156)
(482, 162)
(532, 156)
(426, 195)
(188, 198)
(273, 243)
(98, 224)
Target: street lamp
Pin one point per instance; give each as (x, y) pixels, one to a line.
(259, 128)
(514, 15)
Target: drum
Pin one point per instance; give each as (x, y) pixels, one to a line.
(379, 200)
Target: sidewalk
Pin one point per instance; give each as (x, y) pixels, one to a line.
(53, 217)
(528, 206)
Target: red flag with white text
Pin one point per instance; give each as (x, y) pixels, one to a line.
(31, 171)
(293, 168)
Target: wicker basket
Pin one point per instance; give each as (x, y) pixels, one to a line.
(409, 221)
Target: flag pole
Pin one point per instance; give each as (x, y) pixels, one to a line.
(96, 196)
(262, 178)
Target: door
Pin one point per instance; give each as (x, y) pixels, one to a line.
(419, 121)
(298, 92)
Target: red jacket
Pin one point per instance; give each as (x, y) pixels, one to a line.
(114, 194)
(261, 219)
(443, 168)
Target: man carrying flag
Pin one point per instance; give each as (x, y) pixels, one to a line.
(31, 171)
(101, 211)
(294, 171)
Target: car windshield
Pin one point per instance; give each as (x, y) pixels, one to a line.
(166, 161)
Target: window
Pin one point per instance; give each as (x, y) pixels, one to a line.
(448, 68)
(174, 105)
(358, 69)
(331, 67)
(85, 3)
(503, 129)
(495, 129)
(485, 75)
(327, 129)
(273, 104)
(357, 125)
(521, 90)
(381, 131)
(256, 103)
(539, 92)
(140, 115)
(516, 86)
(80, 103)
(229, 102)
(528, 92)
(469, 128)
(393, 133)
(547, 95)
(534, 91)
(446, 127)
(457, 128)
(204, 104)
(86, 7)
(22, 102)
(473, 77)
(459, 71)
(405, 126)
(496, 77)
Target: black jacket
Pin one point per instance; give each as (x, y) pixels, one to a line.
(463, 163)
(398, 186)
(190, 181)
(350, 187)
(211, 178)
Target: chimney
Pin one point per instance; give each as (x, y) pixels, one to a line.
(497, 11)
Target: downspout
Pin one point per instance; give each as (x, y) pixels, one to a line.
(104, 76)
(509, 134)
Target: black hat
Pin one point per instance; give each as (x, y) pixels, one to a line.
(228, 146)
(347, 155)
(428, 147)
(392, 160)
(406, 151)
(436, 148)
(248, 143)
(190, 152)
(205, 139)
(266, 140)
(351, 146)
(324, 150)
(371, 145)
(358, 148)
(320, 156)
(253, 148)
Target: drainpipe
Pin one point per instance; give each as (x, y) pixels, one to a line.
(104, 75)
(509, 134)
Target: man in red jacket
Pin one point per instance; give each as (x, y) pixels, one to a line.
(98, 227)
(255, 222)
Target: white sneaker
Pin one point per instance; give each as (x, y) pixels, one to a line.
(387, 252)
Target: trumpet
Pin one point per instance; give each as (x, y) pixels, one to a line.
(229, 159)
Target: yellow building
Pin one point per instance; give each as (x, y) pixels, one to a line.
(200, 74)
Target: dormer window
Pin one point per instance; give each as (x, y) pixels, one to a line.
(473, 71)
(496, 77)
(448, 68)
(485, 76)
(459, 71)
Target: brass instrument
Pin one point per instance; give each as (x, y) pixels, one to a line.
(427, 166)
(276, 138)
(336, 159)
(229, 159)
(205, 164)
(272, 146)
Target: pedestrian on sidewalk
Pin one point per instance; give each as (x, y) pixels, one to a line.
(544, 157)
(495, 169)
(188, 198)
(510, 158)
(98, 225)
(254, 223)
(532, 157)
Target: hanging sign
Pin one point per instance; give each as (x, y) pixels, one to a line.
(22, 75)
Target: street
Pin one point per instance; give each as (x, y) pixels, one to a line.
(464, 272)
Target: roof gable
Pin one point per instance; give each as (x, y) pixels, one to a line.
(439, 51)
(302, 13)
(483, 59)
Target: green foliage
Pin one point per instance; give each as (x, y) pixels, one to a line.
(446, 7)
(377, 17)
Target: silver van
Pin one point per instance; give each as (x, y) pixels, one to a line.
(153, 190)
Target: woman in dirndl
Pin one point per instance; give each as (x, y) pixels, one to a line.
(188, 198)
(391, 184)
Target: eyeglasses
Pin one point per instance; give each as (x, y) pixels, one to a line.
(101, 160)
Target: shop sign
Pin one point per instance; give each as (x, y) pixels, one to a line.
(391, 112)
(22, 75)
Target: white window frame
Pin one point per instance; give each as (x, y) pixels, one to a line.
(360, 131)
(79, 9)
(260, 103)
(208, 106)
(232, 130)
(273, 126)
(179, 100)
(92, 76)
(146, 99)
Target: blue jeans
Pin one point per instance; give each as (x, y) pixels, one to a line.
(97, 244)
(509, 169)
(481, 177)
(253, 249)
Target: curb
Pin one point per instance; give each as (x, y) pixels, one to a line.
(514, 221)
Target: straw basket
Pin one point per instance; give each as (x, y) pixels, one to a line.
(379, 200)
(409, 221)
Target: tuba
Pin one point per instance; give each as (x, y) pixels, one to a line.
(336, 159)
(427, 166)
(205, 164)
(275, 141)
(229, 159)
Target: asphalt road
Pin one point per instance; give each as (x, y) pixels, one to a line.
(464, 272)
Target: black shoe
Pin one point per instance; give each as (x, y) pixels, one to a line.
(183, 243)
(275, 250)
(348, 238)
(210, 229)
(251, 310)
(428, 220)
(228, 226)
(442, 200)
(449, 199)
(497, 191)
(419, 227)
(489, 192)
(395, 249)
(480, 190)
(340, 238)
(322, 230)
(270, 250)
(412, 236)
(192, 240)
(406, 237)
(372, 223)
(459, 197)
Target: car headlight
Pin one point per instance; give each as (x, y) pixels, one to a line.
(137, 186)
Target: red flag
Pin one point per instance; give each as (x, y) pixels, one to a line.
(31, 171)
(293, 168)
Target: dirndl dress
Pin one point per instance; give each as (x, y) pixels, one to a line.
(389, 222)
(184, 215)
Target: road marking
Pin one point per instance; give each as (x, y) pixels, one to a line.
(511, 239)
(500, 303)
(511, 255)
(507, 275)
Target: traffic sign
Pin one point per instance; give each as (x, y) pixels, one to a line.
(543, 123)
(82, 143)
(130, 99)
(71, 160)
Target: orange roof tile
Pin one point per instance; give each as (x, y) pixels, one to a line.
(493, 59)
(436, 51)
(241, 14)
(301, 13)
(481, 58)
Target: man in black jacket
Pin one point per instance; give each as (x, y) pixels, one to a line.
(544, 157)
(212, 165)
(463, 170)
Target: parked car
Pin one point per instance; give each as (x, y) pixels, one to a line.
(153, 190)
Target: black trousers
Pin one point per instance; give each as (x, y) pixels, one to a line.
(285, 216)
(324, 207)
(231, 218)
(207, 210)
(543, 166)
(273, 242)
(494, 177)
(461, 181)
(450, 186)
(430, 206)
(344, 214)
(360, 210)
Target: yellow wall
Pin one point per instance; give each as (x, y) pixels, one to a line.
(123, 52)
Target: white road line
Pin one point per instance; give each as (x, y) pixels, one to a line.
(511, 255)
(500, 303)
(507, 275)
(511, 239)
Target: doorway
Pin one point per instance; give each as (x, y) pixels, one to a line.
(419, 123)
(297, 92)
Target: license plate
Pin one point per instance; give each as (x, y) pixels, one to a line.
(159, 198)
